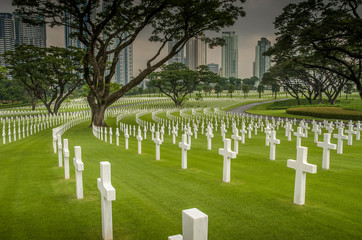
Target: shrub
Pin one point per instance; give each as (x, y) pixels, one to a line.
(326, 112)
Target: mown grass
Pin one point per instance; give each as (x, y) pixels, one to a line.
(38, 203)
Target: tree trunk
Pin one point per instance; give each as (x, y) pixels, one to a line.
(98, 112)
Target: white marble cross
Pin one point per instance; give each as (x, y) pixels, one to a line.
(350, 133)
(301, 167)
(60, 157)
(108, 194)
(243, 132)
(326, 145)
(153, 132)
(126, 136)
(228, 154)
(194, 226)
(158, 142)
(340, 137)
(174, 132)
(209, 135)
(317, 131)
(139, 138)
(250, 128)
(267, 135)
(110, 135)
(66, 158)
(117, 136)
(184, 147)
(189, 134)
(272, 141)
(105, 134)
(79, 168)
(288, 130)
(299, 134)
(358, 130)
(223, 131)
(236, 138)
(9, 133)
(162, 132)
(145, 132)
(195, 131)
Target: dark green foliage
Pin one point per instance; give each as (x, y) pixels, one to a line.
(48, 74)
(323, 35)
(176, 80)
(326, 112)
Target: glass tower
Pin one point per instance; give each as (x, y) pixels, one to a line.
(229, 55)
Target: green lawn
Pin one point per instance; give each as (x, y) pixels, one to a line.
(38, 203)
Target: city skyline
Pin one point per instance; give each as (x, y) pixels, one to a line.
(258, 23)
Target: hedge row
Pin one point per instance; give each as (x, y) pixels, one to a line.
(326, 112)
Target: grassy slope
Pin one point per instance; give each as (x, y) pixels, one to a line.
(37, 203)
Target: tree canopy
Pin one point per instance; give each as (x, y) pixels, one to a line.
(323, 35)
(176, 80)
(108, 28)
(49, 74)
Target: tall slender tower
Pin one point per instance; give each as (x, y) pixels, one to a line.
(7, 35)
(179, 57)
(196, 53)
(229, 55)
(29, 34)
(262, 63)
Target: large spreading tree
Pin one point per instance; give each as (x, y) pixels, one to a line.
(48, 74)
(109, 26)
(176, 80)
(323, 35)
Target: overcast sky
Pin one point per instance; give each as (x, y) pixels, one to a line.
(257, 23)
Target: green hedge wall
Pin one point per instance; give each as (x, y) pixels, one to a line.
(326, 112)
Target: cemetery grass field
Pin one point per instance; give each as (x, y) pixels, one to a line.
(36, 202)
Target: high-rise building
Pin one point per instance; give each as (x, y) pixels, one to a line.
(7, 35)
(196, 53)
(213, 67)
(29, 34)
(262, 63)
(124, 69)
(178, 57)
(14, 31)
(229, 55)
(71, 41)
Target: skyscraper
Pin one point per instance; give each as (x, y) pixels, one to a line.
(7, 35)
(213, 67)
(229, 55)
(14, 31)
(124, 69)
(262, 63)
(196, 53)
(179, 57)
(29, 34)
